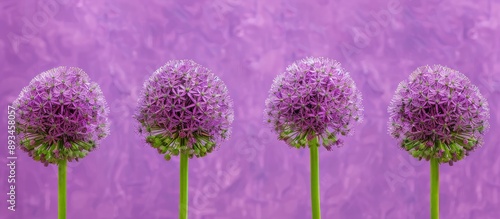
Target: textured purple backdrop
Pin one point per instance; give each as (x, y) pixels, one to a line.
(247, 43)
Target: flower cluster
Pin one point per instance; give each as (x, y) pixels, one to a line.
(438, 114)
(315, 97)
(61, 115)
(184, 108)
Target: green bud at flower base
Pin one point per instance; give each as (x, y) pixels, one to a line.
(167, 157)
(175, 152)
(158, 143)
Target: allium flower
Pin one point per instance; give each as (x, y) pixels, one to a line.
(315, 97)
(61, 115)
(438, 113)
(184, 108)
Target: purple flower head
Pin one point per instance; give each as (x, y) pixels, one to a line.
(184, 108)
(438, 113)
(61, 115)
(314, 97)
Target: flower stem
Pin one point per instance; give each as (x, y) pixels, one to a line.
(434, 189)
(315, 197)
(62, 189)
(183, 204)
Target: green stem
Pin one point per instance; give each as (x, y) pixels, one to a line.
(183, 205)
(434, 188)
(315, 197)
(62, 189)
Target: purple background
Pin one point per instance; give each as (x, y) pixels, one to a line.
(247, 43)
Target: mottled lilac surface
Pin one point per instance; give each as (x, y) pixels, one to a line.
(247, 43)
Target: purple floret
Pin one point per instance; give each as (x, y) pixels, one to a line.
(314, 97)
(438, 113)
(184, 108)
(61, 115)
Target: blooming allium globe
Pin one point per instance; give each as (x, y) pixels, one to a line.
(184, 108)
(314, 97)
(61, 115)
(438, 113)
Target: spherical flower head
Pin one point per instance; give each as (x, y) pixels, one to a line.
(61, 115)
(438, 114)
(314, 97)
(184, 108)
